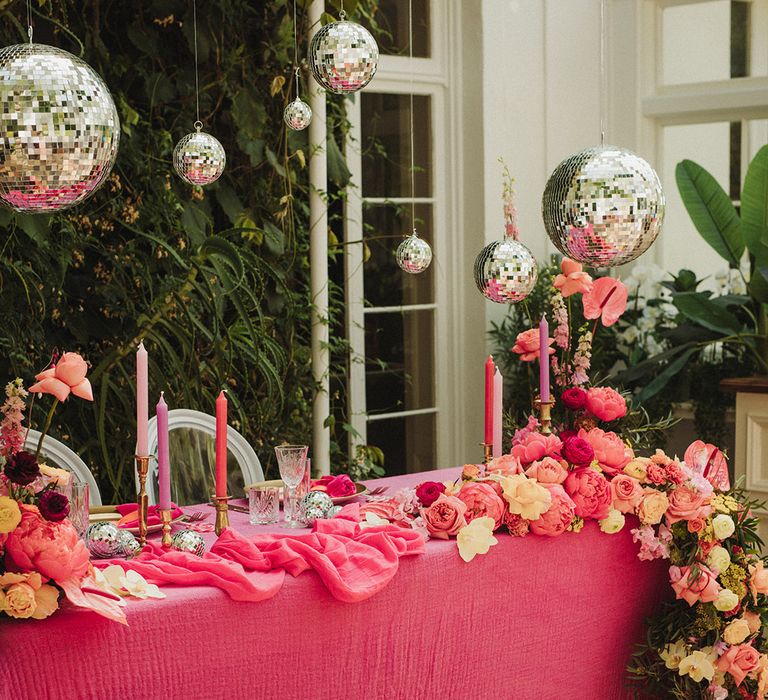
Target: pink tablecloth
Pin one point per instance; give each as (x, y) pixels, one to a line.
(535, 618)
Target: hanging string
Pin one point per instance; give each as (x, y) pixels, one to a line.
(410, 66)
(29, 20)
(198, 123)
(296, 70)
(603, 79)
(342, 12)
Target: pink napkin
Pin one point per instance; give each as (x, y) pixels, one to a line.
(353, 564)
(152, 517)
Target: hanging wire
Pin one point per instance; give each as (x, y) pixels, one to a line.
(296, 70)
(198, 123)
(410, 67)
(603, 79)
(342, 11)
(29, 20)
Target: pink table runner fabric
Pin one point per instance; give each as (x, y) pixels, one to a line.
(535, 618)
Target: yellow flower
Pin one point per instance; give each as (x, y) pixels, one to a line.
(726, 600)
(525, 496)
(613, 523)
(637, 469)
(10, 515)
(719, 560)
(132, 583)
(673, 654)
(452, 487)
(698, 666)
(476, 538)
(736, 632)
(577, 524)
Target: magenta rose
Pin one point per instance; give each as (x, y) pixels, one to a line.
(558, 517)
(627, 493)
(340, 485)
(605, 404)
(481, 501)
(578, 452)
(534, 446)
(547, 471)
(445, 517)
(591, 493)
(610, 452)
(429, 492)
(574, 398)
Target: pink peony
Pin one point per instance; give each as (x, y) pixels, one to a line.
(591, 493)
(739, 660)
(558, 518)
(627, 493)
(709, 461)
(535, 446)
(606, 404)
(705, 588)
(52, 549)
(445, 517)
(527, 345)
(547, 471)
(482, 501)
(574, 398)
(429, 492)
(67, 376)
(573, 279)
(610, 452)
(686, 503)
(606, 300)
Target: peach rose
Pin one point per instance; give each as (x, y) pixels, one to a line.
(736, 632)
(758, 580)
(547, 471)
(610, 452)
(705, 588)
(606, 404)
(445, 517)
(573, 279)
(53, 549)
(527, 345)
(535, 446)
(696, 525)
(627, 493)
(653, 506)
(27, 596)
(590, 492)
(686, 503)
(558, 517)
(67, 376)
(739, 660)
(482, 501)
(506, 464)
(753, 620)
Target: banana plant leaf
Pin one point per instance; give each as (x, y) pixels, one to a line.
(699, 309)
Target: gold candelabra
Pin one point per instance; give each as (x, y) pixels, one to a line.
(544, 409)
(165, 517)
(222, 512)
(142, 499)
(487, 452)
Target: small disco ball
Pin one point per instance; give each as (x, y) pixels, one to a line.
(188, 541)
(414, 255)
(333, 512)
(309, 515)
(129, 545)
(59, 128)
(298, 115)
(603, 206)
(505, 271)
(316, 499)
(343, 57)
(103, 540)
(199, 158)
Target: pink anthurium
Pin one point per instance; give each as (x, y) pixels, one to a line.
(606, 300)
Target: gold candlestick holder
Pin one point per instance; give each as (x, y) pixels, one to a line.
(222, 512)
(487, 452)
(544, 409)
(142, 499)
(165, 517)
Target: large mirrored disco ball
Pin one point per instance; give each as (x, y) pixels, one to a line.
(343, 57)
(603, 206)
(505, 271)
(199, 158)
(413, 255)
(297, 115)
(59, 127)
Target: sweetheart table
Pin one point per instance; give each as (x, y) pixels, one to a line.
(535, 618)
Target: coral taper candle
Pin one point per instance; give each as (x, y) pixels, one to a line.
(163, 456)
(221, 445)
(498, 400)
(544, 359)
(142, 402)
(489, 369)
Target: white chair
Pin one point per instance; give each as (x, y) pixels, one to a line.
(59, 455)
(237, 446)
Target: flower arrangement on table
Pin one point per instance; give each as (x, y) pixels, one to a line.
(705, 644)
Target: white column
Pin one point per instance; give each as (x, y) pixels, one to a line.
(318, 263)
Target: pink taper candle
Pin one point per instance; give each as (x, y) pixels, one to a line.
(163, 455)
(498, 400)
(142, 402)
(544, 359)
(221, 445)
(489, 368)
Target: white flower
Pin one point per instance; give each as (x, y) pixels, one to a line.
(673, 654)
(372, 520)
(698, 665)
(130, 583)
(723, 526)
(726, 600)
(613, 523)
(476, 538)
(719, 560)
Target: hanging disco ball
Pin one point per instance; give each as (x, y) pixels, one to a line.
(603, 206)
(59, 127)
(413, 255)
(297, 115)
(343, 57)
(505, 271)
(199, 158)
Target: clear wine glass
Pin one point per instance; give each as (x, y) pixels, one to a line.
(291, 460)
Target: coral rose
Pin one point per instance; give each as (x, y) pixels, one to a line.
(573, 279)
(627, 493)
(482, 501)
(591, 493)
(506, 464)
(445, 517)
(578, 452)
(705, 588)
(686, 503)
(610, 452)
(739, 660)
(653, 506)
(606, 300)
(534, 446)
(525, 496)
(53, 549)
(605, 404)
(429, 492)
(67, 376)
(547, 471)
(574, 398)
(527, 345)
(558, 517)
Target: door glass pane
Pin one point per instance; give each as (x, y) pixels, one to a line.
(386, 145)
(408, 443)
(392, 18)
(385, 283)
(400, 361)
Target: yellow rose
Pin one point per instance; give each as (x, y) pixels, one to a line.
(637, 469)
(736, 632)
(62, 476)
(20, 600)
(10, 515)
(16, 600)
(653, 506)
(613, 523)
